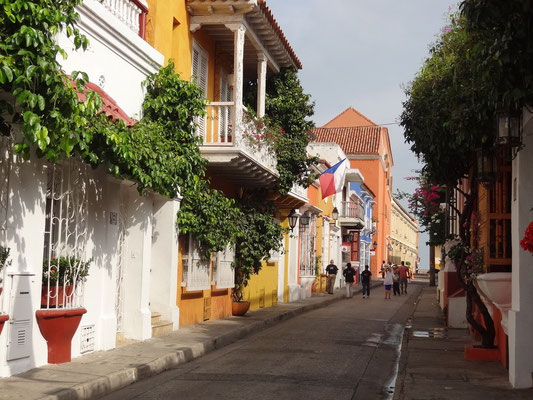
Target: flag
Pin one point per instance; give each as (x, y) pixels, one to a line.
(332, 179)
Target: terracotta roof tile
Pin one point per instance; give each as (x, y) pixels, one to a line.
(352, 140)
(109, 105)
(268, 14)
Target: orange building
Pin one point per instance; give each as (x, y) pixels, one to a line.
(368, 148)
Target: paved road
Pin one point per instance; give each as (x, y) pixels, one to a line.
(348, 350)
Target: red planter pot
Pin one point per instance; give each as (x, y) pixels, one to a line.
(58, 327)
(55, 296)
(239, 308)
(3, 319)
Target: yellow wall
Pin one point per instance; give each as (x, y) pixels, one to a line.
(263, 286)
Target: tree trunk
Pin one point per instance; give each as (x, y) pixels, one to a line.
(432, 266)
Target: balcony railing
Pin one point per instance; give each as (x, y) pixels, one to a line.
(217, 129)
(352, 210)
(131, 12)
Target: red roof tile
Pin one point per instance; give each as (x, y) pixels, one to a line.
(352, 140)
(109, 106)
(349, 117)
(268, 14)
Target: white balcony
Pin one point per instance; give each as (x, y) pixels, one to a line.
(352, 214)
(131, 12)
(236, 151)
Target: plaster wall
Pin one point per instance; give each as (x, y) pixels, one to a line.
(521, 316)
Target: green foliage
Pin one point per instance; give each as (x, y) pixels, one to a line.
(4, 256)
(503, 52)
(443, 119)
(64, 271)
(287, 108)
(260, 234)
(44, 100)
(209, 216)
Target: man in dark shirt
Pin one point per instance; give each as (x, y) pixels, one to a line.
(349, 274)
(365, 280)
(331, 270)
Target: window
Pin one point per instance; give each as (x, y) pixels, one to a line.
(195, 266)
(222, 269)
(200, 67)
(226, 95)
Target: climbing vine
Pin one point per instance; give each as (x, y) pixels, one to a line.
(287, 110)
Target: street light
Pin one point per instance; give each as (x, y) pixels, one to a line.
(486, 166)
(293, 219)
(509, 128)
(304, 219)
(335, 214)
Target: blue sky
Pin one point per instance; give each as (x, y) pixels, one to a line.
(361, 53)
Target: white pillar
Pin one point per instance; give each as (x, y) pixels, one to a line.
(164, 271)
(238, 72)
(261, 84)
(520, 316)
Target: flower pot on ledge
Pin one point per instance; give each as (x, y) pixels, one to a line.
(55, 296)
(3, 319)
(239, 308)
(58, 327)
(496, 288)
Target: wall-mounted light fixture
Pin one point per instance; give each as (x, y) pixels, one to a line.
(293, 219)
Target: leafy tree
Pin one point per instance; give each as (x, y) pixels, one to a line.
(288, 108)
(260, 234)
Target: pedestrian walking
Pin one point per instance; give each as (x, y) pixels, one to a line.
(331, 271)
(388, 281)
(403, 270)
(383, 265)
(349, 275)
(395, 281)
(365, 281)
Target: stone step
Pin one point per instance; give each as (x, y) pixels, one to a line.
(156, 317)
(161, 328)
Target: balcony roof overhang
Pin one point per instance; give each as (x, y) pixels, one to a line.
(354, 175)
(263, 34)
(238, 167)
(351, 223)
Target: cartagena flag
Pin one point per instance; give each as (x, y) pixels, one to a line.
(332, 179)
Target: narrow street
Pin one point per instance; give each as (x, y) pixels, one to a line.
(348, 350)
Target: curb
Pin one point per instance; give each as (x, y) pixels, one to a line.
(105, 385)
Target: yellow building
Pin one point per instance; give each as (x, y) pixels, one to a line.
(403, 237)
(222, 45)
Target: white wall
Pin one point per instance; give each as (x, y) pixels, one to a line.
(521, 314)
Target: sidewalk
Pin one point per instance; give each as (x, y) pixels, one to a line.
(102, 372)
(432, 363)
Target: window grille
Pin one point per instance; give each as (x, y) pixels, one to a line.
(65, 236)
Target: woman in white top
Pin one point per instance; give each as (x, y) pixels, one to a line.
(388, 281)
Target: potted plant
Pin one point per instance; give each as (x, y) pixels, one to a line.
(4, 256)
(60, 278)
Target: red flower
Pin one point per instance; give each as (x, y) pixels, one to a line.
(527, 242)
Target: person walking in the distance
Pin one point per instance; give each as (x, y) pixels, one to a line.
(365, 281)
(331, 270)
(388, 281)
(349, 274)
(403, 270)
(395, 280)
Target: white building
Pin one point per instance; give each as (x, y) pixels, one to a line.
(49, 211)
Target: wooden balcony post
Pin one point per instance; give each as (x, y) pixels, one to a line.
(261, 84)
(238, 68)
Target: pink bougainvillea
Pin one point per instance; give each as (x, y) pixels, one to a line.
(527, 242)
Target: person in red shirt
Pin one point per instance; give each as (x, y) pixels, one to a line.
(403, 270)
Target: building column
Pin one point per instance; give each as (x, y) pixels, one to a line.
(261, 84)
(520, 316)
(238, 72)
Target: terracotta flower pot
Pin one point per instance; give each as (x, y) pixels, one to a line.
(55, 296)
(239, 308)
(3, 318)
